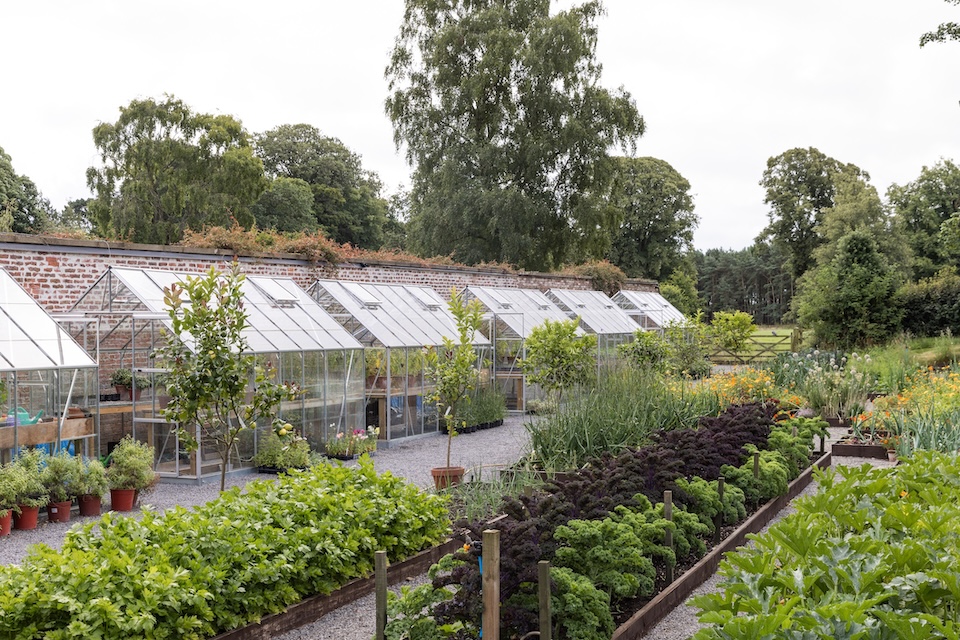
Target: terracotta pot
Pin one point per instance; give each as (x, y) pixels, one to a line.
(5, 523)
(59, 511)
(444, 477)
(891, 455)
(26, 519)
(122, 499)
(90, 505)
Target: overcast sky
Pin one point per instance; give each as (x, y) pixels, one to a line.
(722, 85)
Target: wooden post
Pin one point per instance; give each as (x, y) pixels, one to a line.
(668, 538)
(543, 589)
(491, 585)
(380, 571)
(718, 519)
(823, 445)
(756, 464)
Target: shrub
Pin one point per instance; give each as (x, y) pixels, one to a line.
(932, 305)
(731, 331)
(603, 275)
(646, 352)
(131, 465)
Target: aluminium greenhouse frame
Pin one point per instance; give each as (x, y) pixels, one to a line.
(600, 316)
(648, 309)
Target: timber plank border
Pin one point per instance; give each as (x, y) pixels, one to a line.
(855, 450)
(674, 595)
(315, 607)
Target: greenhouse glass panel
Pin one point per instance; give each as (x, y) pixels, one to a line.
(649, 309)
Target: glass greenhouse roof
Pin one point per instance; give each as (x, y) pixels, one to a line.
(282, 317)
(598, 313)
(30, 338)
(520, 309)
(651, 304)
(391, 316)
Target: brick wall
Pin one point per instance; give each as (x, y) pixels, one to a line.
(56, 272)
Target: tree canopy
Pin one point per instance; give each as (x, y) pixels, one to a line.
(945, 32)
(23, 209)
(507, 128)
(286, 205)
(167, 169)
(657, 218)
(800, 184)
(347, 202)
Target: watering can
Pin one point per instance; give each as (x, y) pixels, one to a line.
(23, 417)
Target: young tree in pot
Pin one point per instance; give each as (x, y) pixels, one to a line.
(210, 367)
(32, 494)
(452, 368)
(93, 486)
(61, 479)
(130, 471)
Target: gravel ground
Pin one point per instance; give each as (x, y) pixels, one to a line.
(479, 452)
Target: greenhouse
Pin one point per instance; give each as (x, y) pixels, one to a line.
(598, 315)
(649, 309)
(395, 323)
(509, 317)
(48, 387)
(286, 329)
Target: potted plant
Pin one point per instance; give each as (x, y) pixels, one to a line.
(32, 495)
(93, 486)
(61, 479)
(276, 454)
(124, 381)
(130, 472)
(10, 490)
(452, 367)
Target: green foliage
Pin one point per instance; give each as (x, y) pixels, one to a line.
(557, 358)
(93, 479)
(687, 348)
(800, 185)
(453, 368)
(507, 126)
(680, 290)
(646, 352)
(196, 573)
(754, 280)
(770, 483)
(621, 411)
(282, 452)
(603, 275)
(286, 206)
(344, 198)
(124, 377)
(28, 477)
(210, 367)
(873, 554)
(702, 498)
(131, 465)
(580, 610)
(931, 305)
(849, 302)
(166, 169)
(731, 330)
(23, 206)
(62, 476)
(409, 615)
(12, 486)
(945, 32)
(656, 218)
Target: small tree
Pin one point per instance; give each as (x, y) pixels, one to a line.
(647, 351)
(210, 367)
(453, 365)
(731, 330)
(557, 358)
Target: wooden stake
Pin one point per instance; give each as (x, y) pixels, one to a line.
(756, 464)
(380, 571)
(543, 589)
(718, 519)
(491, 585)
(668, 538)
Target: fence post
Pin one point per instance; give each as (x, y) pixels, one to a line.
(756, 464)
(543, 588)
(380, 571)
(491, 585)
(668, 537)
(718, 519)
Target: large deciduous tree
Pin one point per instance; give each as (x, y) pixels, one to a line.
(657, 218)
(286, 205)
(504, 120)
(945, 32)
(347, 202)
(23, 209)
(167, 169)
(800, 184)
(921, 209)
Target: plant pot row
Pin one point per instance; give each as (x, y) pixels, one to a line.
(475, 427)
(89, 505)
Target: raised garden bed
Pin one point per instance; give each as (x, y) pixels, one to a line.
(676, 594)
(860, 450)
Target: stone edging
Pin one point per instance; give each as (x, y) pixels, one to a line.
(674, 595)
(315, 607)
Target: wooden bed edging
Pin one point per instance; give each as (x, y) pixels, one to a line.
(315, 607)
(857, 450)
(674, 595)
